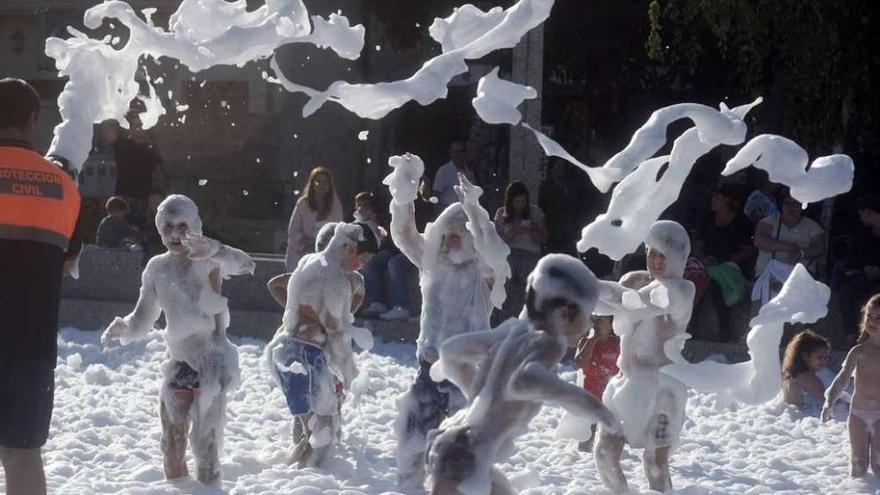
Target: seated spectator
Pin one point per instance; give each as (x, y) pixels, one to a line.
(762, 202)
(723, 241)
(557, 200)
(114, 230)
(522, 227)
(804, 373)
(389, 260)
(861, 276)
(784, 240)
(447, 175)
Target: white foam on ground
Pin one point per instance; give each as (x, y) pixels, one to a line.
(105, 437)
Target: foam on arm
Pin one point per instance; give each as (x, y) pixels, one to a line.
(534, 382)
(403, 183)
(233, 261)
(147, 310)
(460, 354)
(488, 244)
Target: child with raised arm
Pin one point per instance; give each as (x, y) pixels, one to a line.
(507, 375)
(462, 263)
(596, 357)
(202, 364)
(311, 356)
(864, 413)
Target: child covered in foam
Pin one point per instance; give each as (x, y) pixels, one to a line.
(508, 374)
(462, 265)
(311, 356)
(202, 364)
(651, 311)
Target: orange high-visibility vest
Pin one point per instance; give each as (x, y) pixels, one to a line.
(38, 200)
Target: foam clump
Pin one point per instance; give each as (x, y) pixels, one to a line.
(801, 300)
(497, 99)
(786, 162)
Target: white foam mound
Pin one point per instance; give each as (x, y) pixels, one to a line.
(497, 99)
(786, 163)
(801, 300)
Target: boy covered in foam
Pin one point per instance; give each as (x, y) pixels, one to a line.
(462, 266)
(311, 356)
(202, 364)
(651, 311)
(508, 374)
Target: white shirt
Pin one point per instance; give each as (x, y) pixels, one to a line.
(801, 234)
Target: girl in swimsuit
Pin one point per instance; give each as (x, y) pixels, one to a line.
(806, 354)
(864, 415)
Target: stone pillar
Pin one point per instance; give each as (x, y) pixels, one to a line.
(525, 153)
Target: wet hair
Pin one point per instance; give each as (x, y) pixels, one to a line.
(365, 197)
(869, 202)
(871, 304)
(116, 203)
(804, 343)
(514, 190)
(324, 206)
(368, 243)
(19, 100)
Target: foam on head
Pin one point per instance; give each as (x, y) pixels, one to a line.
(176, 208)
(453, 220)
(324, 236)
(560, 279)
(672, 240)
(344, 235)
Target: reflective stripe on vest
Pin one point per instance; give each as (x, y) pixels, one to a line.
(38, 201)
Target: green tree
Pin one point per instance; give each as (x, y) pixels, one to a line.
(818, 58)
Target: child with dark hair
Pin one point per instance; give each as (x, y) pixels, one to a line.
(596, 357)
(805, 355)
(114, 230)
(864, 414)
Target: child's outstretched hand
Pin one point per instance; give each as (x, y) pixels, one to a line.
(826, 412)
(116, 330)
(201, 247)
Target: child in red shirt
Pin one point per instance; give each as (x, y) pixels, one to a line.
(596, 357)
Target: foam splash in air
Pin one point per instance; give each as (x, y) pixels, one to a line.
(801, 300)
(206, 33)
(468, 34)
(786, 163)
(201, 34)
(497, 99)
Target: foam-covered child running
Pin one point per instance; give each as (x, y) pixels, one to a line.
(508, 374)
(310, 357)
(202, 364)
(864, 413)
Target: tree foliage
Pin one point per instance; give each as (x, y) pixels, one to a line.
(818, 58)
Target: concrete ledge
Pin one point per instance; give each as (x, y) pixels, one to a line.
(91, 314)
(115, 275)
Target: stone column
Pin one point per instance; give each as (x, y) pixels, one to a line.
(525, 153)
